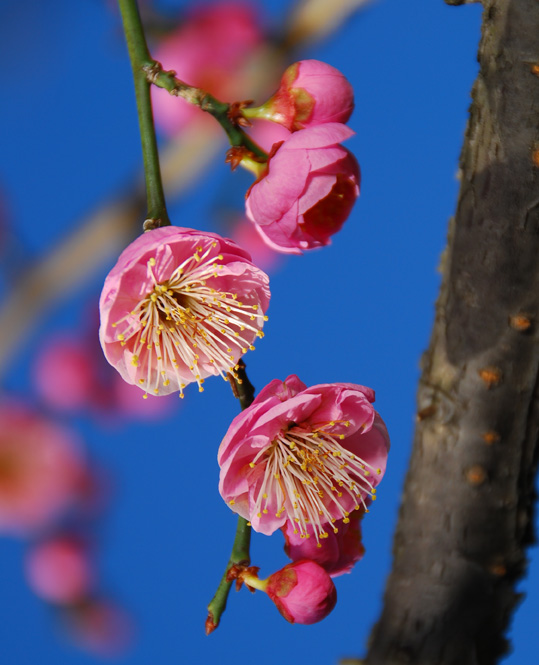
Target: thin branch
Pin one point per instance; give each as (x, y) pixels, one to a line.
(140, 59)
(243, 390)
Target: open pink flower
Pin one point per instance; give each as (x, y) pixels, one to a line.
(337, 554)
(311, 93)
(306, 455)
(60, 570)
(180, 305)
(307, 190)
(208, 50)
(41, 467)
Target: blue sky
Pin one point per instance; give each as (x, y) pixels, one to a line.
(358, 311)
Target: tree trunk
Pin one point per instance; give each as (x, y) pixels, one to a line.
(467, 509)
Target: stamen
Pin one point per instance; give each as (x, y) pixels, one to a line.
(313, 478)
(207, 327)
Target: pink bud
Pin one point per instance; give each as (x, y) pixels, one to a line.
(307, 190)
(311, 93)
(303, 592)
(60, 570)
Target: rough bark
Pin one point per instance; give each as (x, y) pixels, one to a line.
(467, 509)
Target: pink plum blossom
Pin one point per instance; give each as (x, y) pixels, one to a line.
(311, 93)
(307, 455)
(180, 305)
(337, 553)
(41, 467)
(307, 190)
(209, 50)
(60, 570)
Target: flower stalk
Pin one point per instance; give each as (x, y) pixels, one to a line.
(243, 390)
(140, 59)
(224, 113)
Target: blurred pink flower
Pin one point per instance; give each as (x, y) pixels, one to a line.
(307, 190)
(309, 455)
(302, 591)
(337, 553)
(180, 305)
(64, 373)
(245, 234)
(41, 467)
(100, 626)
(208, 51)
(265, 134)
(60, 570)
(311, 93)
(70, 374)
(128, 401)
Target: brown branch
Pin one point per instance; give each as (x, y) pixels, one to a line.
(467, 511)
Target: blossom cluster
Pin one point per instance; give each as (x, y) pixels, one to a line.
(182, 305)
(307, 461)
(307, 188)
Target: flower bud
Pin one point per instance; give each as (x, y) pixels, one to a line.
(311, 93)
(302, 591)
(306, 191)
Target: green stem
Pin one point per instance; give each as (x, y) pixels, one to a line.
(198, 97)
(141, 61)
(239, 555)
(243, 390)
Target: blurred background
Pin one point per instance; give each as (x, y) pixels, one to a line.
(117, 505)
